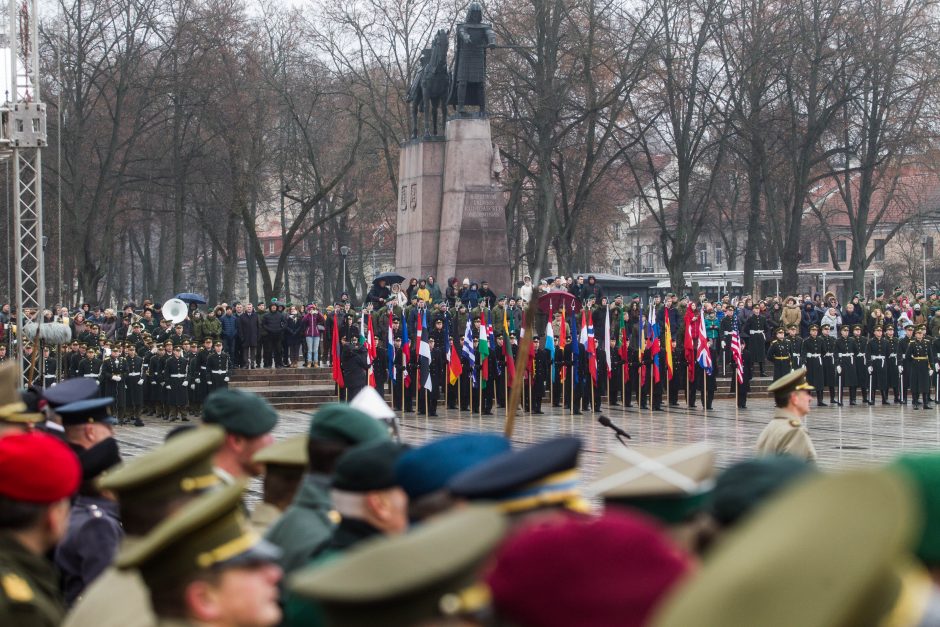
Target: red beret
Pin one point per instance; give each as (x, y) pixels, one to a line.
(37, 468)
(611, 570)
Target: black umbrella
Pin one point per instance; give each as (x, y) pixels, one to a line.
(189, 297)
(389, 278)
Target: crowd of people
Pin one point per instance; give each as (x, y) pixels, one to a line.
(356, 529)
(879, 349)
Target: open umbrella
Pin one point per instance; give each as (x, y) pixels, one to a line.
(556, 301)
(189, 297)
(389, 277)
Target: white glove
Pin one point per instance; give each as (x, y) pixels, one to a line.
(208, 382)
(722, 344)
(141, 382)
(169, 387)
(198, 381)
(900, 369)
(870, 370)
(226, 379)
(839, 369)
(115, 378)
(97, 382)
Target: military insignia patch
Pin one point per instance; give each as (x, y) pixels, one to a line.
(16, 588)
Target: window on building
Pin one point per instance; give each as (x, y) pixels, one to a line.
(270, 246)
(928, 248)
(823, 252)
(650, 259)
(842, 251)
(806, 252)
(719, 258)
(615, 267)
(879, 250)
(702, 253)
(617, 230)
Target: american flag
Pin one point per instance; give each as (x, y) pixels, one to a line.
(736, 349)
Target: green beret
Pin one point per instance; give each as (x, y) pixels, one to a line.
(339, 421)
(924, 473)
(239, 412)
(745, 485)
(367, 467)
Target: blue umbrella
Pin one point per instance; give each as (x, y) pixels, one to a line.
(189, 297)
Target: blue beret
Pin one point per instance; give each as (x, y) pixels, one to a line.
(69, 391)
(541, 475)
(429, 468)
(90, 410)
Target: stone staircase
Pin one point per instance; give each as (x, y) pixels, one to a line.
(302, 389)
(288, 388)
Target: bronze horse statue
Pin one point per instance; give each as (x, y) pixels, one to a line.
(428, 92)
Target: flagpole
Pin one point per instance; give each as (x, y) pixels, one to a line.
(427, 411)
(403, 388)
(592, 396)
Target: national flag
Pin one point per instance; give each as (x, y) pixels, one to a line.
(550, 344)
(405, 354)
(607, 341)
(390, 351)
(446, 340)
(704, 358)
(654, 344)
(667, 339)
(484, 348)
(367, 339)
(454, 367)
(575, 350)
(424, 354)
(691, 332)
(642, 348)
(563, 343)
(467, 349)
(337, 368)
(736, 349)
(587, 338)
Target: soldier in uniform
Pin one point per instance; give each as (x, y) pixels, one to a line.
(40, 474)
(616, 374)
(71, 359)
(904, 368)
(94, 531)
(813, 349)
(845, 351)
(150, 489)
(795, 342)
(536, 375)
(112, 376)
(829, 361)
(919, 355)
(284, 465)
(134, 384)
(174, 382)
(755, 331)
(893, 363)
(861, 362)
(49, 368)
(876, 354)
(473, 38)
(785, 434)
(218, 364)
(779, 354)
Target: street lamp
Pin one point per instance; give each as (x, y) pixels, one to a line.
(344, 251)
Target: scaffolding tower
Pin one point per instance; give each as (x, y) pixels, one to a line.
(22, 137)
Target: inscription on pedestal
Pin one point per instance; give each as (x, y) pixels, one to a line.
(482, 208)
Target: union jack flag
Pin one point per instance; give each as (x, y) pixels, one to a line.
(704, 355)
(736, 349)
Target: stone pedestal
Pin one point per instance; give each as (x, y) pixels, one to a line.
(420, 176)
(451, 208)
(473, 240)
